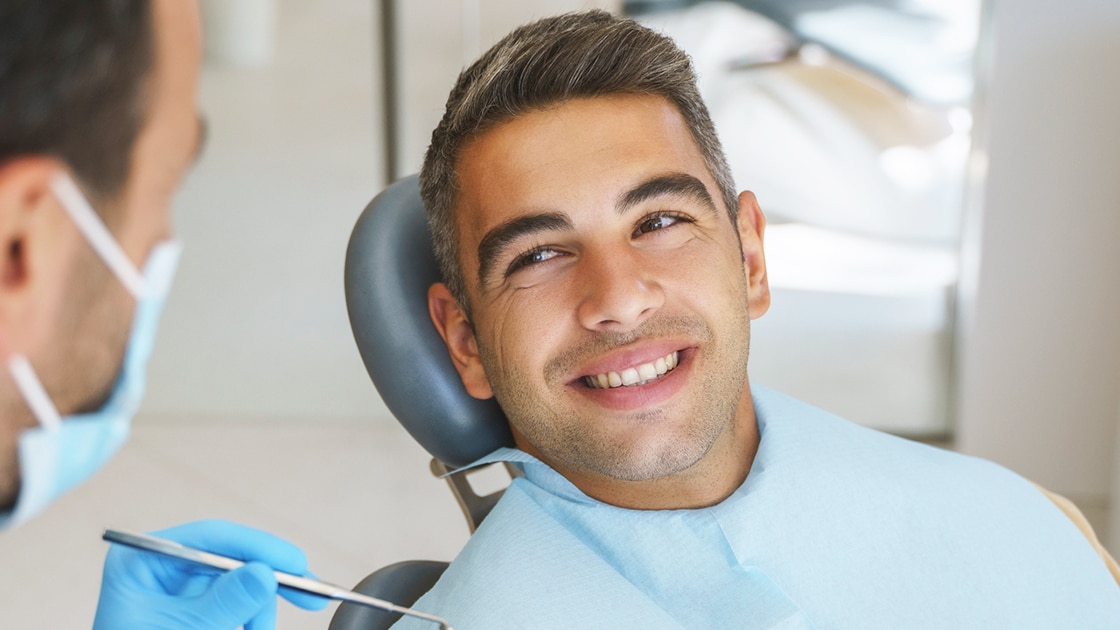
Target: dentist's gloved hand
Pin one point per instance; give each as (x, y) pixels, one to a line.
(141, 589)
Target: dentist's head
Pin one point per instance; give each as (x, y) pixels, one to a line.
(98, 125)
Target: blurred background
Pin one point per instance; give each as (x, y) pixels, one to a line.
(940, 180)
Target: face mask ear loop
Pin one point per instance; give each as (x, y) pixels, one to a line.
(34, 393)
(93, 228)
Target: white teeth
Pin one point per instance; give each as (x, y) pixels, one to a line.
(630, 376)
(637, 375)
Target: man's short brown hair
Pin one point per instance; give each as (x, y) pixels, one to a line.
(576, 55)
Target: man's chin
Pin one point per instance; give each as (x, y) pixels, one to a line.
(648, 462)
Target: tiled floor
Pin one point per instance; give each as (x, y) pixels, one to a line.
(355, 497)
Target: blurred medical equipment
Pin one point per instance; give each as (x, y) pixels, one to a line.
(389, 267)
(299, 583)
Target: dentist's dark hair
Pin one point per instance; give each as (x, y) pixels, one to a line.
(73, 79)
(571, 56)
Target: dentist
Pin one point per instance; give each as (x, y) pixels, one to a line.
(98, 126)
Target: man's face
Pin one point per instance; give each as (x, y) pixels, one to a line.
(597, 251)
(96, 310)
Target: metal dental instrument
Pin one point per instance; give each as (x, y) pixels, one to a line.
(299, 583)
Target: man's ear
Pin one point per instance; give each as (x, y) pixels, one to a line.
(451, 321)
(34, 247)
(752, 227)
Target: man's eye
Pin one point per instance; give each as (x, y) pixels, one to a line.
(532, 257)
(657, 222)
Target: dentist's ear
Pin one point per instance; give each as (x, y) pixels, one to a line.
(37, 247)
(752, 227)
(451, 321)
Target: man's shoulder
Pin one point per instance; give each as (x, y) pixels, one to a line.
(793, 425)
(792, 428)
(807, 451)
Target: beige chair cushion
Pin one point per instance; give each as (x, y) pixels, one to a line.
(1075, 515)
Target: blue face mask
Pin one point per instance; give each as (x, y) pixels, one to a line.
(64, 451)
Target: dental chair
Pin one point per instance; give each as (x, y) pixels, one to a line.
(389, 267)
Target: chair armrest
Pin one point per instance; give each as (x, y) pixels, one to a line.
(402, 583)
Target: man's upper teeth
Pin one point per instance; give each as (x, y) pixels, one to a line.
(636, 375)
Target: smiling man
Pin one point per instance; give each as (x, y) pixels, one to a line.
(617, 339)
(600, 277)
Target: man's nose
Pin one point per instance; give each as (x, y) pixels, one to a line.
(617, 291)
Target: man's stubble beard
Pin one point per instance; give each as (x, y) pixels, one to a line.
(86, 356)
(578, 445)
(79, 364)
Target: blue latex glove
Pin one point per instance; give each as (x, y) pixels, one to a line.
(141, 589)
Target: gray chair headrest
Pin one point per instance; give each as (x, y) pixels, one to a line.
(389, 267)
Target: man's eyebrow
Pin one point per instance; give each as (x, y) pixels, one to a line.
(500, 237)
(491, 246)
(676, 184)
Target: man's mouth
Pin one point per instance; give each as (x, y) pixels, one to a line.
(634, 376)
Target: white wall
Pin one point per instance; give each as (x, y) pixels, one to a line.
(1114, 507)
(1042, 356)
(256, 324)
(435, 51)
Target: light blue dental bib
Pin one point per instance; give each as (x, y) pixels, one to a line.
(836, 526)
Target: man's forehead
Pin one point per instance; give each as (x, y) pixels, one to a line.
(573, 150)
